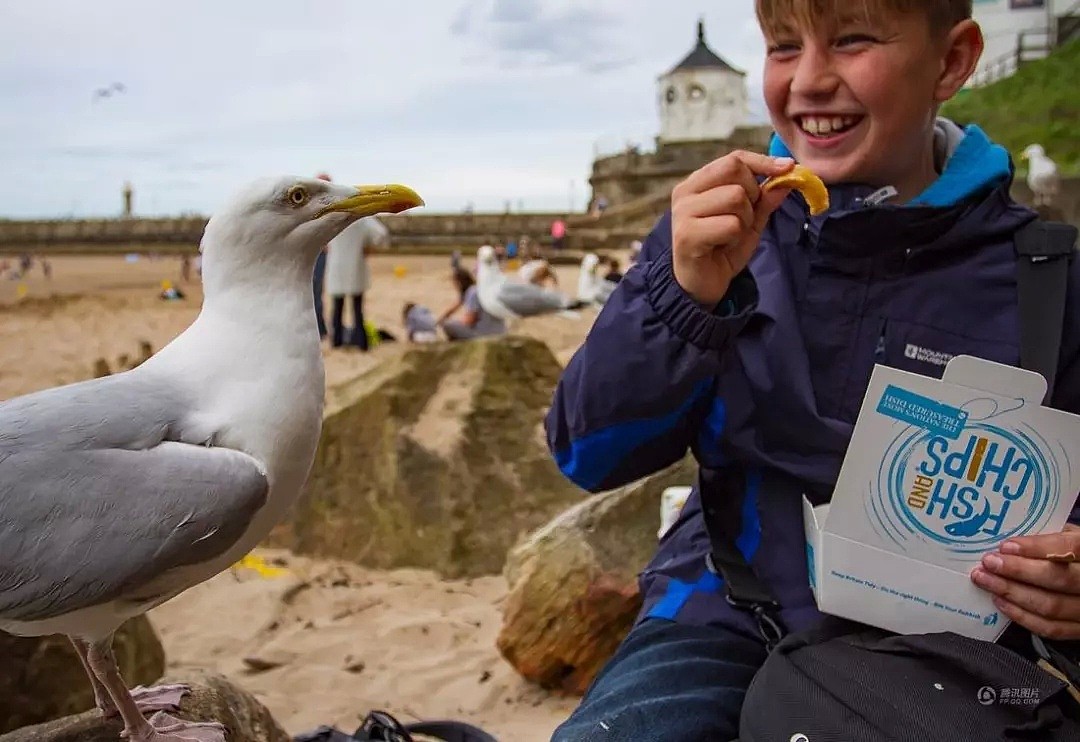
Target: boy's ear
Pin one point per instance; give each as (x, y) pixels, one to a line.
(961, 49)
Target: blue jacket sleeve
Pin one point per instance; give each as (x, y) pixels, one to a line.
(634, 395)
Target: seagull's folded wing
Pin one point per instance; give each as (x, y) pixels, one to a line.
(95, 502)
(526, 299)
(86, 527)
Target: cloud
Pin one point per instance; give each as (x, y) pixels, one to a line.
(581, 35)
(480, 100)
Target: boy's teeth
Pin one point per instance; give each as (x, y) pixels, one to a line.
(824, 125)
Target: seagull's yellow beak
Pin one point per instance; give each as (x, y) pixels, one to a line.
(376, 199)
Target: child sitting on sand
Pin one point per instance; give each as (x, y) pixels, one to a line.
(747, 332)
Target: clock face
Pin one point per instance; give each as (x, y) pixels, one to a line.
(670, 95)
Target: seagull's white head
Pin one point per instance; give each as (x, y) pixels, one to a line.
(1033, 150)
(486, 256)
(297, 216)
(590, 262)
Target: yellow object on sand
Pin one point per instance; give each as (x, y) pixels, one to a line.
(21, 290)
(258, 564)
(400, 271)
(805, 182)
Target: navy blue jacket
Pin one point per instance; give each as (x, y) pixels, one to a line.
(773, 380)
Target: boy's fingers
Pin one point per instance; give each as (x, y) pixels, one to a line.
(766, 205)
(1062, 578)
(1064, 546)
(738, 167)
(712, 232)
(1044, 627)
(718, 202)
(1046, 603)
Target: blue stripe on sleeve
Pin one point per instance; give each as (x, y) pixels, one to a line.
(712, 429)
(678, 592)
(590, 460)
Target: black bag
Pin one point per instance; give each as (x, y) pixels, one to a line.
(844, 682)
(849, 683)
(380, 726)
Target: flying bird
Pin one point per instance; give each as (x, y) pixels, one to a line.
(108, 92)
(510, 300)
(1043, 178)
(119, 493)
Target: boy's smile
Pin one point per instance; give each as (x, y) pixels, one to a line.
(855, 100)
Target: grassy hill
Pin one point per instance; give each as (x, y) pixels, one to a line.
(1039, 104)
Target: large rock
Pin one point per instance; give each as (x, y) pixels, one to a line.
(573, 584)
(435, 459)
(212, 698)
(41, 678)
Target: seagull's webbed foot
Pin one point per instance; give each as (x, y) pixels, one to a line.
(165, 728)
(154, 698)
(161, 727)
(158, 697)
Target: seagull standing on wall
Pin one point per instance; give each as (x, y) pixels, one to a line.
(119, 493)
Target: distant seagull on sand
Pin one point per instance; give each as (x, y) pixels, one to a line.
(592, 287)
(119, 493)
(1043, 178)
(510, 300)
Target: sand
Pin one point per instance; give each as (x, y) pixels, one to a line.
(327, 642)
(330, 641)
(102, 307)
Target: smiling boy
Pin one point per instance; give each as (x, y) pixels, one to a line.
(748, 330)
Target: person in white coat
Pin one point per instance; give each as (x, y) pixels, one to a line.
(347, 276)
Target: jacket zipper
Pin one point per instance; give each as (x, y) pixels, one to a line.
(879, 351)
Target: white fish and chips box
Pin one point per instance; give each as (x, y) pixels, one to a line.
(939, 472)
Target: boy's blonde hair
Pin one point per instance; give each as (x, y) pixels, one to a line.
(774, 15)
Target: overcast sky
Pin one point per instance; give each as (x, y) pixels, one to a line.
(478, 101)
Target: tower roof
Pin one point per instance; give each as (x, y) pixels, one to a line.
(702, 57)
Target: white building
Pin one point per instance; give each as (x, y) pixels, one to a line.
(1010, 24)
(702, 98)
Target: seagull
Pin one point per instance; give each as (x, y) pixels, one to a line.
(593, 289)
(509, 300)
(119, 493)
(1042, 176)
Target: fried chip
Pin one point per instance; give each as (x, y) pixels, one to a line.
(805, 182)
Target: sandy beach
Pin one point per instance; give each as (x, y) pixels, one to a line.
(102, 307)
(325, 642)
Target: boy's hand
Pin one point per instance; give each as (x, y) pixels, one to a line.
(1036, 582)
(717, 216)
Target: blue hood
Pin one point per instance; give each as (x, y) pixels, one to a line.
(973, 164)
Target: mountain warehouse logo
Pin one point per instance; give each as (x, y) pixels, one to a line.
(925, 355)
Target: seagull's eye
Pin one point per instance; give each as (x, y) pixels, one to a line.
(297, 195)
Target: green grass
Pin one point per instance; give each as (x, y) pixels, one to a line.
(1038, 104)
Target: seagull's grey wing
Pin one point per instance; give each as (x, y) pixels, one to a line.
(93, 505)
(527, 300)
(604, 290)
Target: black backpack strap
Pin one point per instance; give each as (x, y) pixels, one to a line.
(380, 726)
(722, 513)
(1044, 251)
